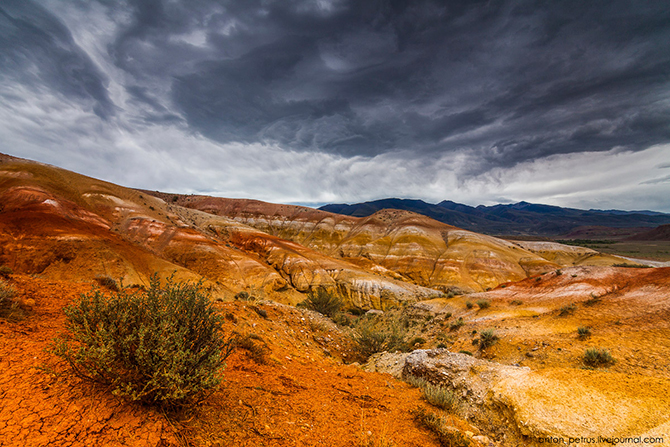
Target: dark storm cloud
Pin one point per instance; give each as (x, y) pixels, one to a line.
(336, 100)
(507, 81)
(36, 48)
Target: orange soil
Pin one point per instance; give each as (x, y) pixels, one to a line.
(299, 397)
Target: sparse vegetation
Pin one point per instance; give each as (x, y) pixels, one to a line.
(469, 304)
(322, 301)
(416, 341)
(516, 302)
(632, 266)
(484, 304)
(583, 332)
(593, 300)
(5, 272)
(566, 310)
(446, 435)
(463, 351)
(594, 358)
(440, 397)
(162, 346)
(370, 339)
(256, 347)
(435, 395)
(487, 339)
(244, 296)
(9, 307)
(107, 282)
(559, 272)
(457, 324)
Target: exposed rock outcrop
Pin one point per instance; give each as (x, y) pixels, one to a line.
(522, 407)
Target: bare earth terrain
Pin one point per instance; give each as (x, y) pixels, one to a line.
(438, 288)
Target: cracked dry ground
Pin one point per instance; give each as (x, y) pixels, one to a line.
(298, 397)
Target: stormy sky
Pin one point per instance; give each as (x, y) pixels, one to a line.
(317, 101)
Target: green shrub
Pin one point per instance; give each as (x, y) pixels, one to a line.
(256, 347)
(469, 304)
(344, 320)
(583, 332)
(440, 397)
(434, 394)
(107, 282)
(462, 351)
(487, 339)
(457, 324)
(9, 307)
(5, 272)
(244, 296)
(160, 346)
(371, 340)
(567, 310)
(594, 358)
(446, 435)
(516, 302)
(559, 272)
(322, 301)
(7, 292)
(484, 304)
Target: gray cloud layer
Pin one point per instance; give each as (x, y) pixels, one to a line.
(501, 82)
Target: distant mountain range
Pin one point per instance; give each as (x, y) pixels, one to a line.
(521, 218)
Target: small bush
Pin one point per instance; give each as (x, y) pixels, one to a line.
(342, 319)
(484, 304)
(244, 296)
(516, 302)
(487, 339)
(440, 397)
(322, 301)
(567, 310)
(434, 394)
(356, 311)
(469, 304)
(456, 325)
(9, 307)
(256, 347)
(446, 435)
(447, 315)
(583, 332)
(593, 300)
(559, 272)
(107, 282)
(161, 346)
(594, 358)
(7, 292)
(463, 351)
(370, 340)
(5, 272)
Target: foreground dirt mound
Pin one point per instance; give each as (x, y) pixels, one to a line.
(290, 391)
